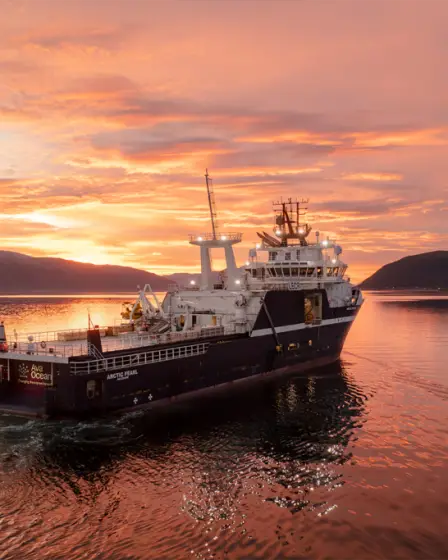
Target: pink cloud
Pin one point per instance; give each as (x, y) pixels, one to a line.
(105, 115)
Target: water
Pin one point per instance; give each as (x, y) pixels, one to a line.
(350, 463)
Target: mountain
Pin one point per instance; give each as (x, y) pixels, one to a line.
(22, 274)
(427, 271)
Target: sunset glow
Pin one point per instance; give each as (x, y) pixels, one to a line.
(111, 111)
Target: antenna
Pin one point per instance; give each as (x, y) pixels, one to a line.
(287, 222)
(211, 203)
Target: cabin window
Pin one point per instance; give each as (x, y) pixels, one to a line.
(287, 256)
(286, 272)
(303, 272)
(271, 271)
(336, 271)
(273, 255)
(313, 308)
(329, 271)
(294, 271)
(91, 389)
(319, 271)
(292, 346)
(298, 255)
(309, 271)
(194, 320)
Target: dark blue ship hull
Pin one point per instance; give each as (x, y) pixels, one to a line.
(279, 342)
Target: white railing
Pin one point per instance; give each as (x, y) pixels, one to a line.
(134, 360)
(137, 340)
(222, 236)
(49, 349)
(111, 344)
(65, 335)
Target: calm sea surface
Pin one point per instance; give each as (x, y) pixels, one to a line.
(351, 463)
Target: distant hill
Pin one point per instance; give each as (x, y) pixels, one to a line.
(427, 271)
(22, 274)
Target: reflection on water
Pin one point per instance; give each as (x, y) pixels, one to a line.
(227, 465)
(48, 313)
(349, 462)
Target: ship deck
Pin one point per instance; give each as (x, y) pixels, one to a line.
(62, 345)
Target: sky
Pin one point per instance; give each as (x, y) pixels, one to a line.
(111, 110)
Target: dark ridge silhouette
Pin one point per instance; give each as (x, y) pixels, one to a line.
(428, 271)
(21, 274)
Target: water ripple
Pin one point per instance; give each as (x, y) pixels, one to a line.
(348, 462)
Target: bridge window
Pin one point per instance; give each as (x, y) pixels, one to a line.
(329, 271)
(310, 271)
(286, 272)
(319, 271)
(303, 272)
(294, 271)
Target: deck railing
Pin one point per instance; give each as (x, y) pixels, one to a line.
(129, 361)
(222, 236)
(65, 335)
(115, 343)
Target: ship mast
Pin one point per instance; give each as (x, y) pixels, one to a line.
(211, 203)
(215, 240)
(288, 227)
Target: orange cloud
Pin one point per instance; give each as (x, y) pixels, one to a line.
(373, 176)
(107, 124)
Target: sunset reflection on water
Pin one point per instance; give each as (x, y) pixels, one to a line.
(347, 462)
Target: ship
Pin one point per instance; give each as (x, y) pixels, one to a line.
(288, 309)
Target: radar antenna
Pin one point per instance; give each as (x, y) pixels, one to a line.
(288, 228)
(211, 203)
